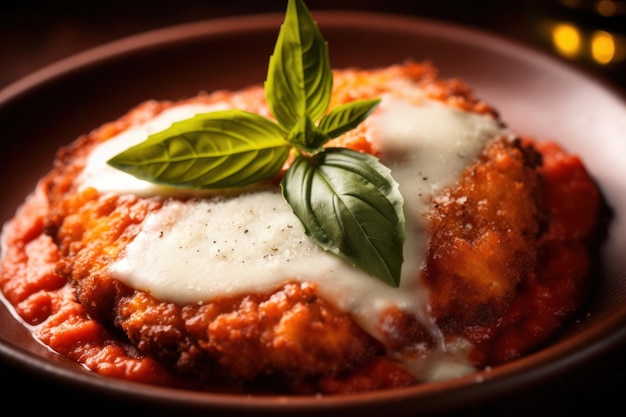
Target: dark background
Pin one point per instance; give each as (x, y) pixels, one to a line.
(33, 35)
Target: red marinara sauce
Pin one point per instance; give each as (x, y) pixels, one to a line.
(546, 299)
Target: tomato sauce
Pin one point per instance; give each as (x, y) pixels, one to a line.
(548, 298)
(544, 303)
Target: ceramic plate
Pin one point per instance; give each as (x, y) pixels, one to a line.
(536, 95)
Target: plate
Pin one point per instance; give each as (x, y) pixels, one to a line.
(536, 95)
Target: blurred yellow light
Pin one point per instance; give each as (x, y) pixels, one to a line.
(566, 39)
(602, 47)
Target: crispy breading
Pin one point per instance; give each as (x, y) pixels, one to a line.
(288, 333)
(483, 238)
(483, 248)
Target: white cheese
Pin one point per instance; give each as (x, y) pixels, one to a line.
(222, 245)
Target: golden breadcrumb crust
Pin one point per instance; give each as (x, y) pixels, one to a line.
(485, 234)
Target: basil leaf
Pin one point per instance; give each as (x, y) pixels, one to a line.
(346, 117)
(350, 205)
(299, 79)
(347, 201)
(230, 148)
(305, 135)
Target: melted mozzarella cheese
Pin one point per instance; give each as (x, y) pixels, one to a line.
(223, 245)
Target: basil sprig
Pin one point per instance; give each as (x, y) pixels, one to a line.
(347, 201)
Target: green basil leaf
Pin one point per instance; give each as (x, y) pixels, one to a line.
(305, 135)
(221, 149)
(346, 117)
(347, 201)
(350, 205)
(299, 79)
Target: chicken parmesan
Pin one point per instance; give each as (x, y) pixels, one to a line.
(224, 290)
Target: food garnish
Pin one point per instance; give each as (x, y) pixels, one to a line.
(347, 201)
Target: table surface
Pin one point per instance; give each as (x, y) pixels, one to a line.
(32, 37)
